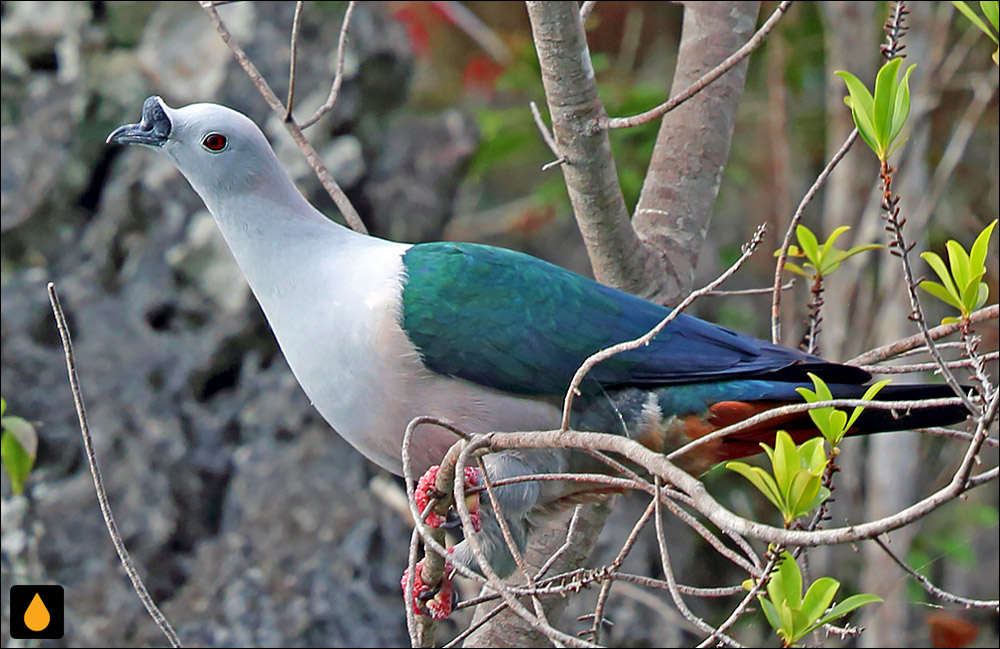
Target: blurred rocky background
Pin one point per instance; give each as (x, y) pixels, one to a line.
(251, 521)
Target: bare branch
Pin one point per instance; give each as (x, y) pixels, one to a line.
(707, 79)
(991, 312)
(547, 138)
(293, 52)
(926, 367)
(338, 75)
(722, 517)
(95, 472)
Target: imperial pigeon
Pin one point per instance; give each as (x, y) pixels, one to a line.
(378, 332)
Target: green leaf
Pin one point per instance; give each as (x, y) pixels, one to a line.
(3, 406)
(786, 462)
(771, 613)
(18, 446)
(958, 259)
(941, 293)
(991, 9)
(820, 498)
(759, 479)
(984, 294)
(800, 625)
(902, 107)
(848, 605)
(884, 103)
(861, 103)
(837, 426)
(976, 20)
(797, 270)
(822, 391)
(790, 578)
(937, 264)
(813, 455)
(971, 295)
(810, 246)
(819, 597)
(870, 393)
(787, 630)
(977, 258)
(832, 239)
(802, 493)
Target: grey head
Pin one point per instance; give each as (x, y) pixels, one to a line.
(220, 151)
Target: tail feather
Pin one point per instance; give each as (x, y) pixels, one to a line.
(872, 420)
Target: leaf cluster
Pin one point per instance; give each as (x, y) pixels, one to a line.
(961, 284)
(792, 615)
(823, 258)
(880, 117)
(795, 487)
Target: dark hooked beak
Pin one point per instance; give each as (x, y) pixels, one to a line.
(153, 130)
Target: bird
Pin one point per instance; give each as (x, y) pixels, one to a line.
(379, 332)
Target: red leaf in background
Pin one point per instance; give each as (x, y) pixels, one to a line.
(481, 73)
(951, 631)
(408, 15)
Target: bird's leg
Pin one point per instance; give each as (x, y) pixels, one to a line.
(438, 601)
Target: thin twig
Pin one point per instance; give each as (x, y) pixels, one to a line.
(293, 51)
(338, 75)
(758, 586)
(991, 312)
(547, 137)
(605, 592)
(763, 290)
(926, 367)
(585, 9)
(675, 594)
(940, 431)
(707, 79)
(779, 266)
(95, 472)
(574, 524)
(898, 246)
(538, 623)
(934, 590)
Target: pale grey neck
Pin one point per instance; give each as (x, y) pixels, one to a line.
(275, 235)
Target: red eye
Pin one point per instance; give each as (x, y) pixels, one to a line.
(214, 142)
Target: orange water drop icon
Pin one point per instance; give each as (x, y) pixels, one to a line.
(37, 616)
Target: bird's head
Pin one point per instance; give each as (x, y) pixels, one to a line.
(219, 150)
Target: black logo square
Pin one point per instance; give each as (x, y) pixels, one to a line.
(36, 612)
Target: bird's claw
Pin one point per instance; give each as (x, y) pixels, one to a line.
(427, 489)
(436, 601)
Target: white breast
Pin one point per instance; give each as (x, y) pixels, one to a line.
(339, 329)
